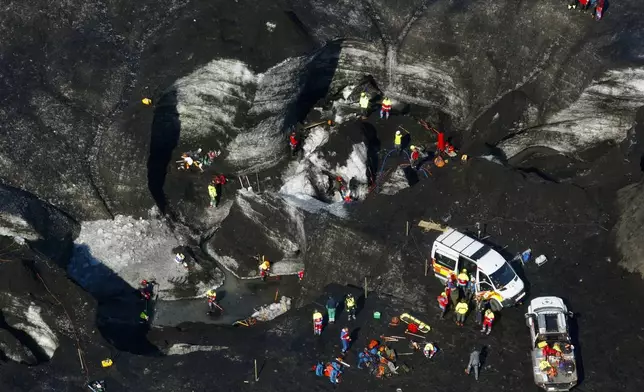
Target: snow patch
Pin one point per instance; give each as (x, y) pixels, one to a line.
(287, 267)
(14, 226)
(356, 166)
(34, 326)
(184, 348)
(492, 158)
(395, 183)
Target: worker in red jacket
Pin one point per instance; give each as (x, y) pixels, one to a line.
(599, 9)
(488, 319)
(581, 4)
(440, 143)
(414, 158)
(443, 302)
(293, 142)
(385, 108)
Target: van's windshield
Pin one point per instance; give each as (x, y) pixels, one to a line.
(502, 276)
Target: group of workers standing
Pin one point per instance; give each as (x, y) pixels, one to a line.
(460, 292)
(418, 157)
(365, 105)
(350, 306)
(596, 7)
(196, 159)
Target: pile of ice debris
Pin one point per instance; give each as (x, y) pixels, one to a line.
(112, 256)
(309, 177)
(271, 311)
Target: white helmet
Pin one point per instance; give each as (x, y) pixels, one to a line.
(397, 132)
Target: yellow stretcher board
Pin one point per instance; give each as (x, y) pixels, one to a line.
(408, 318)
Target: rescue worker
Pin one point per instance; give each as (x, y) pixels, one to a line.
(385, 108)
(430, 350)
(481, 306)
(337, 184)
(264, 268)
(147, 289)
(319, 369)
(474, 363)
(144, 317)
(398, 142)
(195, 155)
(450, 150)
(443, 302)
(386, 352)
(211, 296)
(345, 338)
(185, 161)
(212, 192)
(581, 4)
(317, 323)
(346, 195)
(440, 142)
(392, 367)
(220, 180)
(462, 279)
(488, 319)
(461, 312)
(293, 143)
(598, 9)
(208, 158)
(350, 306)
(364, 358)
(364, 104)
(414, 158)
(340, 186)
(331, 304)
(548, 351)
(336, 370)
(470, 288)
(451, 289)
(300, 275)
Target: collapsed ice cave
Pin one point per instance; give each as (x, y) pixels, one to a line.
(547, 104)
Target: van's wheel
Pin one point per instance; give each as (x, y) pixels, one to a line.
(495, 305)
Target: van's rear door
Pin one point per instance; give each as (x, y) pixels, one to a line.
(444, 262)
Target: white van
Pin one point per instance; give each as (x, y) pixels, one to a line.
(454, 251)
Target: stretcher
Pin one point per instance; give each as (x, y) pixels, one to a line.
(407, 318)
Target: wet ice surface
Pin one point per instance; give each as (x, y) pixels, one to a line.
(239, 299)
